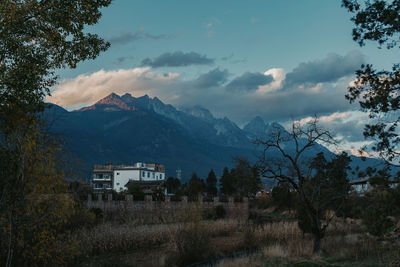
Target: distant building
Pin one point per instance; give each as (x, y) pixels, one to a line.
(363, 185)
(116, 177)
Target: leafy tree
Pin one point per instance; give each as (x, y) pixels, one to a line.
(211, 184)
(136, 191)
(310, 181)
(378, 90)
(173, 185)
(36, 39)
(282, 196)
(227, 183)
(245, 178)
(196, 186)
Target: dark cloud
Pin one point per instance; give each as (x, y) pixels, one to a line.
(215, 77)
(329, 69)
(121, 60)
(178, 59)
(226, 58)
(129, 37)
(249, 81)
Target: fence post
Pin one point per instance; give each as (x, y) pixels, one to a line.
(216, 201)
(129, 200)
(246, 206)
(89, 200)
(231, 201)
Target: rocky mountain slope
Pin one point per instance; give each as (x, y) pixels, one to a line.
(125, 129)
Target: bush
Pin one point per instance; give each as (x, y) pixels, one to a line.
(376, 221)
(217, 212)
(97, 212)
(191, 244)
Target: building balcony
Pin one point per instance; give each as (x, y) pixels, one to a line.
(102, 179)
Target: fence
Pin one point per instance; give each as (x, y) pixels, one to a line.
(234, 209)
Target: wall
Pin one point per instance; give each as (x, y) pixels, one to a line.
(233, 209)
(124, 177)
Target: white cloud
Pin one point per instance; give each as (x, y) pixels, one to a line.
(86, 89)
(278, 76)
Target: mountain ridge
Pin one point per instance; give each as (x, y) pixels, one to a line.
(124, 129)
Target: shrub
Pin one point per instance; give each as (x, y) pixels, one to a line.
(190, 244)
(376, 221)
(97, 212)
(217, 212)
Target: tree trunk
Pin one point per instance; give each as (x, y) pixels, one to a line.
(317, 244)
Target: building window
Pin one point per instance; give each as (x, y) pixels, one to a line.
(117, 183)
(148, 174)
(143, 174)
(160, 176)
(117, 173)
(153, 175)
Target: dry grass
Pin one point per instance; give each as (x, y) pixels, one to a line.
(239, 262)
(114, 237)
(276, 243)
(274, 251)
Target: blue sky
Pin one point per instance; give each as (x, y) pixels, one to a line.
(278, 59)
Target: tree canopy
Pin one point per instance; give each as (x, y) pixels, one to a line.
(319, 184)
(378, 91)
(36, 38)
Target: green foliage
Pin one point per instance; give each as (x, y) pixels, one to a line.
(216, 213)
(196, 186)
(242, 180)
(246, 178)
(227, 183)
(211, 184)
(98, 213)
(282, 196)
(173, 185)
(191, 244)
(36, 38)
(376, 221)
(378, 91)
(303, 218)
(136, 190)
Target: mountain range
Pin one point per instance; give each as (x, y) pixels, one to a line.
(125, 129)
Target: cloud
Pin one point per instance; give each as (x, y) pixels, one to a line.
(249, 81)
(329, 69)
(129, 37)
(178, 59)
(346, 127)
(121, 60)
(264, 93)
(213, 78)
(272, 104)
(278, 75)
(87, 89)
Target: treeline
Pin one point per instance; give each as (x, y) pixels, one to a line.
(242, 181)
(378, 209)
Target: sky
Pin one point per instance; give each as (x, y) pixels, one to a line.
(282, 60)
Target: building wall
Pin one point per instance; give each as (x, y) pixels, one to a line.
(147, 175)
(122, 177)
(118, 176)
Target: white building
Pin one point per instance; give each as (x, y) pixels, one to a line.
(107, 177)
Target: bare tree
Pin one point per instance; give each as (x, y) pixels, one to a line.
(286, 158)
